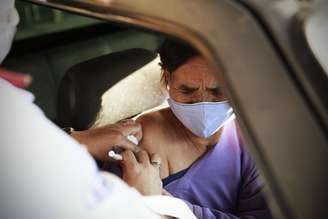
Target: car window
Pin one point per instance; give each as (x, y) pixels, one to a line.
(49, 42)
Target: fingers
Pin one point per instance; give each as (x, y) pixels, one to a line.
(155, 160)
(126, 144)
(129, 160)
(131, 127)
(143, 157)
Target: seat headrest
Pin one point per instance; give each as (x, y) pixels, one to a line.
(81, 89)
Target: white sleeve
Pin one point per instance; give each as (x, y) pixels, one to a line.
(123, 201)
(47, 174)
(143, 206)
(169, 206)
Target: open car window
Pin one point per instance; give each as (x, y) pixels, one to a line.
(49, 42)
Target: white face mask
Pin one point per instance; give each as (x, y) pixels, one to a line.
(8, 21)
(204, 118)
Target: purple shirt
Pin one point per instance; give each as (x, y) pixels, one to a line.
(224, 183)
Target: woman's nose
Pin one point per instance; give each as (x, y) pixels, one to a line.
(202, 96)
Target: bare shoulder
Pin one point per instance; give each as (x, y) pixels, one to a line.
(157, 131)
(154, 125)
(154, 119)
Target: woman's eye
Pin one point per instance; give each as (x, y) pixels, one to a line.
(216, 92)
(187, 91)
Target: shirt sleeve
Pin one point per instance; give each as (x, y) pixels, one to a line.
(208, 213)
(169, 206)
(109, 198)
(251, 203)
(47, 174)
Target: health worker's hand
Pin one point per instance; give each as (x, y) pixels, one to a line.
(142, 172)
(99, 141)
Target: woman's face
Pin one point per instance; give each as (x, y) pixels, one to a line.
(194, 82)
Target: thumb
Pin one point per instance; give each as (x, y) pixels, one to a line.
(127, 144)
(129, 162)
(131, 127)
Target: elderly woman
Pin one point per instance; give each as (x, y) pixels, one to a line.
(203, 158)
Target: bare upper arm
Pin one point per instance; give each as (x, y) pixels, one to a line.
(151, 129)
(153, 140)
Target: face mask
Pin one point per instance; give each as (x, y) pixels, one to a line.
(204, 118)
(8, 21)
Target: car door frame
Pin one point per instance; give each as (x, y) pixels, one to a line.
(274, 83)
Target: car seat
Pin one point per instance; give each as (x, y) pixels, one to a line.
(81, 89)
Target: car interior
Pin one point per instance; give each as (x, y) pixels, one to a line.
(88, 72)
(51, 45)
(81, 90)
